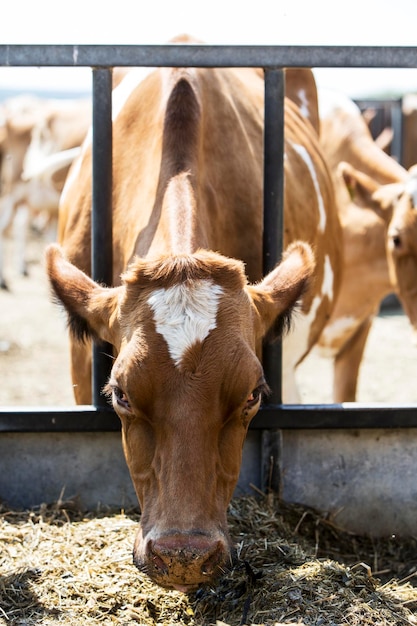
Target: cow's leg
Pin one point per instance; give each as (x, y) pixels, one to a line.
(81, 371)
(6, 213)
(3, 284)
(20, 231)
(347, 364)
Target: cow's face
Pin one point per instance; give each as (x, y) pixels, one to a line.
(402, 245)
(186, 383)
(396, 204)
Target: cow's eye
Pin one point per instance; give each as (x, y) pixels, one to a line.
(121, 397)
(256, 395)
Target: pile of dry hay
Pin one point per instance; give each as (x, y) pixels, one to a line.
(61, 566)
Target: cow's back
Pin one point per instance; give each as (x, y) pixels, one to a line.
(208, 125)
(226, 158)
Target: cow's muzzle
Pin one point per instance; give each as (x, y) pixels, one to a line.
(182, 561)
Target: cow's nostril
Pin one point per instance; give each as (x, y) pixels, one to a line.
(396, 240)
(160, 564)
(213, 563)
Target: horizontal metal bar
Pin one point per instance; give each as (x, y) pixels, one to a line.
(285, 417)
(198, 55)
(58, 419)
(335, 416)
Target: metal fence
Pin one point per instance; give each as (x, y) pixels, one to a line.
(388, 114)
(273, 59)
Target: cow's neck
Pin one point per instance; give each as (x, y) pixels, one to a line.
(177, 223)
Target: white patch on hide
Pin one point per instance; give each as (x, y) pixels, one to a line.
(334, 335)
(331, 101)
(120, 95)
(127, 86)
(75, 169)
(304, 105)
(411, 187)
(295, 343)
(185, 314)
(328, 279)
(307, 160)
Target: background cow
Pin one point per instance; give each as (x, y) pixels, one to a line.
(32, 130)
(187, 322)
(396, 205)
(359, 168)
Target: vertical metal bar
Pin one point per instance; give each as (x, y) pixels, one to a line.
(101, 216)
(271, 445)
(397, 124)
(273, 206)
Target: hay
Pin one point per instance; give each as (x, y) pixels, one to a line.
(59, 565)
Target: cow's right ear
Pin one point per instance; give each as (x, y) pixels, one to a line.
(91, 308)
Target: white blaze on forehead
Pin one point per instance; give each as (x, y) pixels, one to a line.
(184, 314)
(307, 160)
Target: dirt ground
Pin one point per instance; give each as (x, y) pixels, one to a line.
(34, 361)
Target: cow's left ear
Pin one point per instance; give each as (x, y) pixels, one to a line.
(359, 185)
(367, 192)
(91, 308)
(277, 294)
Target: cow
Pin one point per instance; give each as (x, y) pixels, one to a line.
(32, 130)
(16, 122)
(189, 306)
(396, 205)
(359, 167)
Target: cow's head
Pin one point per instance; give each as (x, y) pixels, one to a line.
(186, 382)
(402, 244)
(396, 203)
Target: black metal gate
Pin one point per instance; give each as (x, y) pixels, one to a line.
(101, 59)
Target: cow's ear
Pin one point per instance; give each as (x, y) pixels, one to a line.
(368, 193)
(277, 294)
(91, 308)
(359, 185)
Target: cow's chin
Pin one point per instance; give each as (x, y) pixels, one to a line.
(183, 562)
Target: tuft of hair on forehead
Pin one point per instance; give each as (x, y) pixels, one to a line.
(168, 270)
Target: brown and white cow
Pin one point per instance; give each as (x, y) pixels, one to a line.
(189, 307)
(396, 205)
(359, 167)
